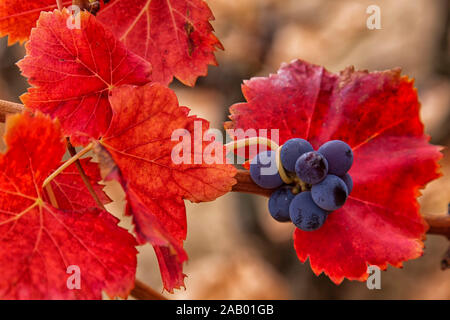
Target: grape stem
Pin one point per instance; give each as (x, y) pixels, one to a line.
(439, 224)
(234, 145)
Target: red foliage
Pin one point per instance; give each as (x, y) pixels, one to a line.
(377, 114)
(86, 78)
(39, 242)
(175, 36)
(73, 71)
(140, 145)
(17, 17)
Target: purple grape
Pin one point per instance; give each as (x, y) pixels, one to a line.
(339, 156)
(292, 150)
(311, 167)
(264, 171)
(279, 202)
(330, 194)
(305, 214)
(348, 182)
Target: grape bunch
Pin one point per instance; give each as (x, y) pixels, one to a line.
(321, 183)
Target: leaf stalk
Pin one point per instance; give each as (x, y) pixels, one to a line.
(84, 176)
(66, 164)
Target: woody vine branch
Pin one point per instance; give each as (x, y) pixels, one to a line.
(439, 224)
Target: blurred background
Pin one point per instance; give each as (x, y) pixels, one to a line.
(236, 251)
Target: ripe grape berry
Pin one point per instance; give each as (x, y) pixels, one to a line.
(305, 214)
(292, 150)
(311, 167)
(339, 156)
(348, 182)
(279, 202)
(330, 194)
(264, 171)
(323, 172)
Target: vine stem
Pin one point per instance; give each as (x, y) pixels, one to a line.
(439, 224)
(7, 107)
(142, 291)
(67, 164)
(84, 176)
(51, 195)
(59, 4)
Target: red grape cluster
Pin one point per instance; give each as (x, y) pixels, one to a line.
(320, 181)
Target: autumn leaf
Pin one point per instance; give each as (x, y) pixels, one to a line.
(17, 17)
(73, 71)
(137, 151)
(70, 190)
(174, 35)
(161, 222)
(377, 114)
(39, 242)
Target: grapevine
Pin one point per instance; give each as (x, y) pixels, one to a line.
(100, 91)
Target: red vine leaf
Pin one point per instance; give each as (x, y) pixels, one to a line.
(174, 35)
(139, 143)
(70, 190)
(17, 17)
(74, 70)
(377, 114)
(161, 222)
(39, 242)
